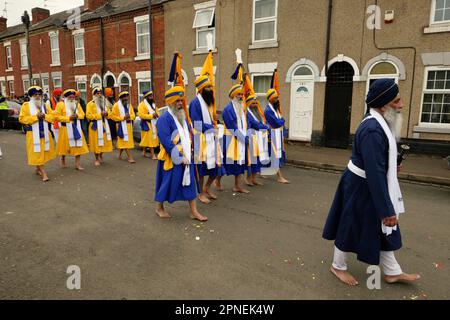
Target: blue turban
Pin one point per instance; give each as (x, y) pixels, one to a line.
(381, 92)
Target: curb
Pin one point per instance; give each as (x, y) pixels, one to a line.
(408, 177)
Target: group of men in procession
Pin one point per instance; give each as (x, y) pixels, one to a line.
(196, 151)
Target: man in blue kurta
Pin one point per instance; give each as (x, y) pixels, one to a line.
(277, 132)
(364, 215)
(203, 118)
(175, 173)
(236, 139)
(258, 144)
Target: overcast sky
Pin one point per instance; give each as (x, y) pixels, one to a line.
(15, 8)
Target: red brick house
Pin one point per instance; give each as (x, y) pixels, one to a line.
(104, 42)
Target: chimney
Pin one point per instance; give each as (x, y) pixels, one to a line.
(2, 24)
(92, 5)
(39, 14)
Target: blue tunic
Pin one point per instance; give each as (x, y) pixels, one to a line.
(196, 115)
(354, 220)
(230, 119)
(275, 123)
(169, 183)
(255, 124)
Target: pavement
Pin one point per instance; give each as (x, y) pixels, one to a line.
(416, 168)
(265, 245)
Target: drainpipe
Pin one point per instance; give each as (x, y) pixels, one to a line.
(152, 70)
(413, 71)
(327, 55)
(102, 43)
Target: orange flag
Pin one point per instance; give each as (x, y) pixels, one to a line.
(208, 70)
(176, 77)
(248, 91)
(275, 84)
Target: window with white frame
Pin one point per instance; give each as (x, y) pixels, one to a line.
(81, 87)
(436, 97)
(440, 12)
(143, 37)
(381, 70)
(57, 83)
(144, 85)
(8, 57)
(261, 83)
(124, 82)
(26, 85)
(204, 24)
(54, 47)
(23, 53)
(79, 47)
(264, 20)
(45, 84)
(11, 88)
(96, 81)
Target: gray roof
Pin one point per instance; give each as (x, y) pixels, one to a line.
(113, 7)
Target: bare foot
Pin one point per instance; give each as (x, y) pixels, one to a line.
(97, 163)
(344, 276)
(210, 195)
(404, 277)
(100, 158)
(119, 157)
(38, 172)
(131, 161)
(80, 168)
(163, 214)
(283, 180)
(203, 198)
(147, 156)
(218, 186)
(45, 178)
(257, 183)
(240, 190)
(249, 183)
(197, 216)
(62, 164)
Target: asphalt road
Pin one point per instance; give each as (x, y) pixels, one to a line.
(265, 245)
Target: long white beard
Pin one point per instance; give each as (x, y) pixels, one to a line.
(36, 102)
(239, 104)
(71, 104)
(179, 114)
(99, 102)
(395, 122)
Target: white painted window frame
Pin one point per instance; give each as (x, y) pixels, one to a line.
(433, 13)
(200, 7)
(141, 20)
(22, 44)
(54, 35)
(261, 20)
(260, 74)
(75, 34)
(8, 67)
(53, 82)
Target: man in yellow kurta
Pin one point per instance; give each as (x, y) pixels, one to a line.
(36, 117)
(100, 140)
(123, 114)
(149, 114)
(71, 139)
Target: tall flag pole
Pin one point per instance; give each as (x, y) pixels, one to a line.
(176, 77)
(275, 84)
(208, 70)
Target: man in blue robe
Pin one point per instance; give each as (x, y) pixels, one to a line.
(364, 215)
(175, 174)
(203, 118)
(236, 139)
(277, 133)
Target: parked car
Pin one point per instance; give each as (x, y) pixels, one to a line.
(13, 116)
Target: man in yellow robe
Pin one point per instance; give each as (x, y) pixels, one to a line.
(123, 114)
(71, 140)
(100, 139)
(36, 116)
(149, 114)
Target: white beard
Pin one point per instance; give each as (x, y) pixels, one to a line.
(395, 121)
(36, 101)
(179, 114)
(99, 102)
(72, 104)
(239, 104)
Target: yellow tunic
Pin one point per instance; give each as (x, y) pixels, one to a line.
(62, 147)
(93, 115)
(147, 139)
(115, 115)
(37, 158)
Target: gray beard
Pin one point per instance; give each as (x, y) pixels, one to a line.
(99, 102)
(239, 105)
(394, 120)
(37, 102)
(179, 114)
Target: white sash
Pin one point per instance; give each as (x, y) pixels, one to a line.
(69, 126)
(124, 122)
(153, 121)
(186, 143)
(35, 129)
(262, 141)
(100, 128)
(210, 145)
(278, 134)
(242, 127)
(395, 193)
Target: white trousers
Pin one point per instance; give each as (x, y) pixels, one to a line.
(387, 261)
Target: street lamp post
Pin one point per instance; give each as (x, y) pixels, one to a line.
(27, 22)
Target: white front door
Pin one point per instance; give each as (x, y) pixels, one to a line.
(301, 116)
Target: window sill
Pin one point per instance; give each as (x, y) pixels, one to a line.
(264, 45)
(437, 28)
(432, 129)
(142, 57)
(9, 70)
(79, 64)
(202, 51)
(55, 65)
(24, 68)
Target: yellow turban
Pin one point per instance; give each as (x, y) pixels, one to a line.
(237, 88)
(250, 99)
(202, 82)
(124, 94)
(174, 94)
(95, 90)
(271, 93)
(69, 92)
